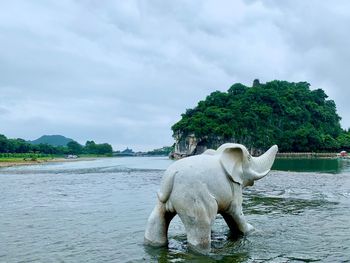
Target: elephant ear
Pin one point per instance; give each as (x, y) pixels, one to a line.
(231, 158)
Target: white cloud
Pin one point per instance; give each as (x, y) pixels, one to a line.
(123, 71)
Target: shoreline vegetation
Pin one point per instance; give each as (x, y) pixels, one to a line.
(48, 148)
(10, 163)
(57, 148)
(19, 161)
(309, 155)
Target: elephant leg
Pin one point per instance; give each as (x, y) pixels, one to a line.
(157, 226)
(236, 221)
(231, 224)
(198, 223)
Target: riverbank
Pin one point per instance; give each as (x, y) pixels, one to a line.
(309, 155)
(8, 162)
(296, 155)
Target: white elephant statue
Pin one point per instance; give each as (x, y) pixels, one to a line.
(199, 187)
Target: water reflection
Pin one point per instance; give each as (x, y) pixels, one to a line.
(323, 165)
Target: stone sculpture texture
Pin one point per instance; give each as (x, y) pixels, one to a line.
(199, 187)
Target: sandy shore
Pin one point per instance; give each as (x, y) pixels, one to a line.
(17, 163)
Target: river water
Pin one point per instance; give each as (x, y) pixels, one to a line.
(96, 211)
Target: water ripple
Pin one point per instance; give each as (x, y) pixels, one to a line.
(97, 211)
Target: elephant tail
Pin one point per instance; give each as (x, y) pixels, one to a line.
(166, 186)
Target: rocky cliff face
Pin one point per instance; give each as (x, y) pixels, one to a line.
(184, 146)
(187, 145)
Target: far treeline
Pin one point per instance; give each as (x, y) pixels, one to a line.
(73, 147)
(288, 114)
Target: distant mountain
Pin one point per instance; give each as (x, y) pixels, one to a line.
(54, 140)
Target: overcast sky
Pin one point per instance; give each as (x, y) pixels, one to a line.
(123, 71)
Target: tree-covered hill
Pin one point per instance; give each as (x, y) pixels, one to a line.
(54, 140)
(14, 146)
(288, 114)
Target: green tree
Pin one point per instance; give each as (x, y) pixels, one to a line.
(278, 112)
(344, 141)
(92, 148)
(74, 148)
(104, 148)
(4, 144)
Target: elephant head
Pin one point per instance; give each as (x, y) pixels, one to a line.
(243, 168)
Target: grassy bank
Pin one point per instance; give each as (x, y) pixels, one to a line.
(9, 159)
(20, 157)
(34, 156)
(15, 159)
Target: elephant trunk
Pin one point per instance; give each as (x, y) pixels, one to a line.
(261, 166)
